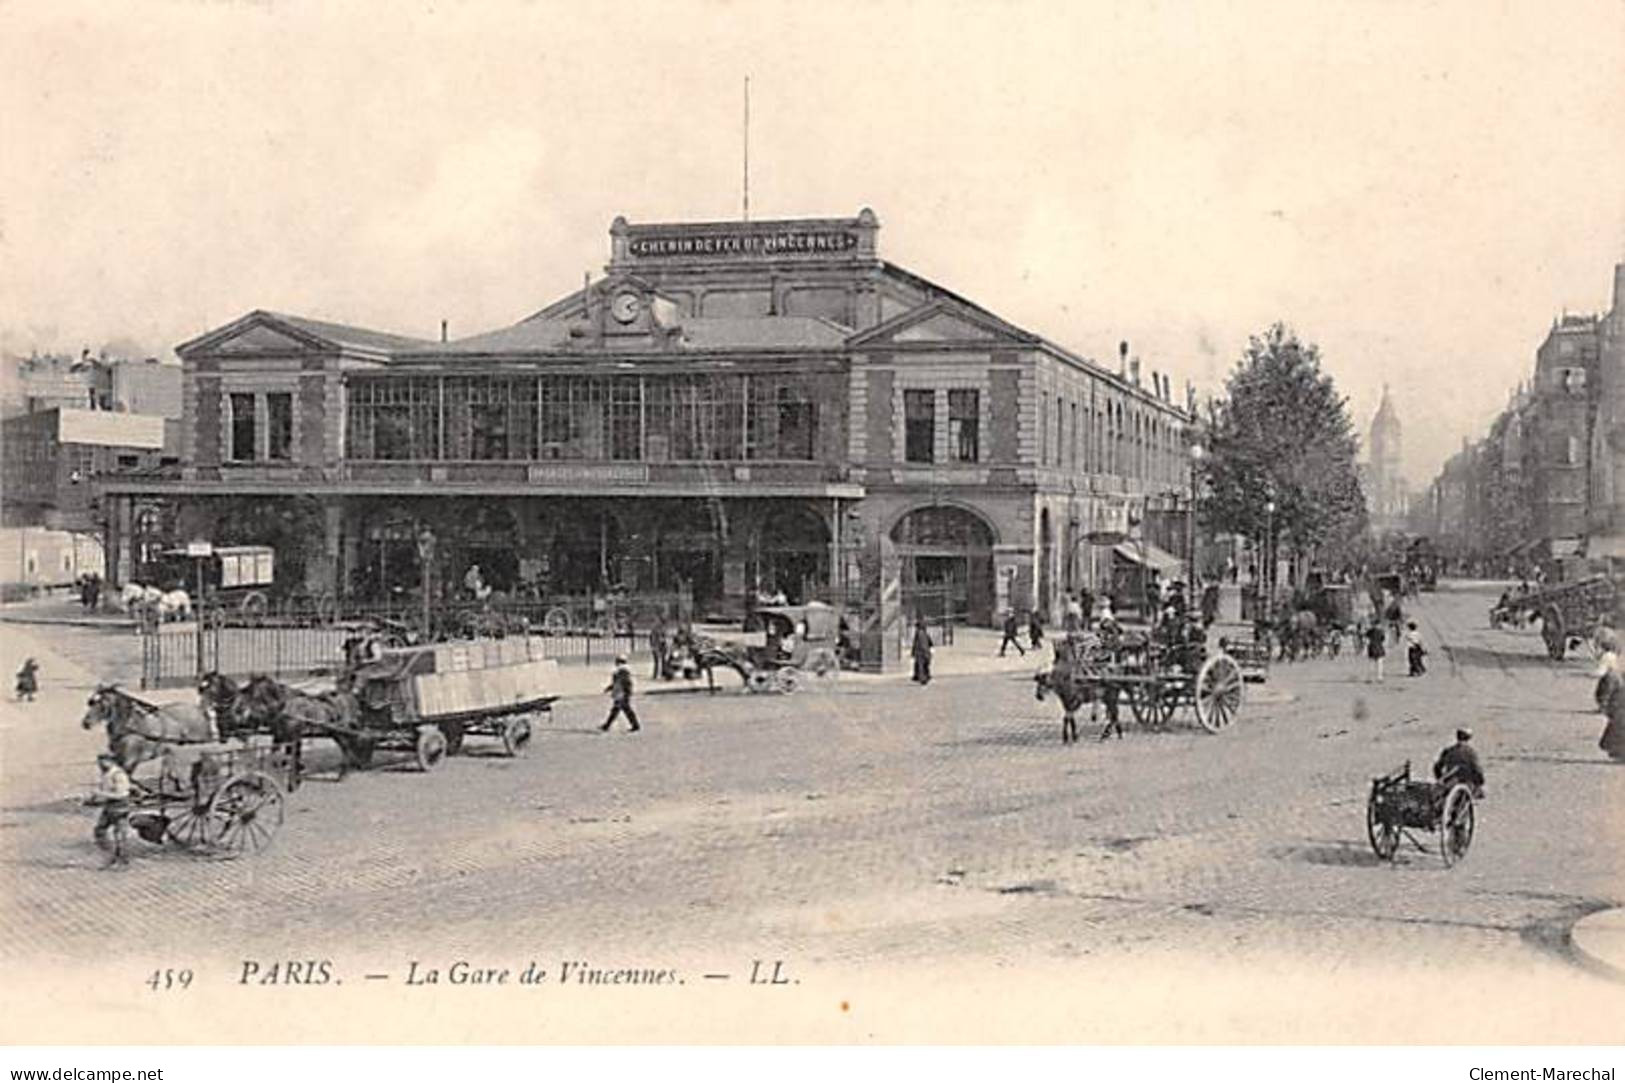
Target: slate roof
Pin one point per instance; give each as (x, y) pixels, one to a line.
(697, 333)
(359, 337)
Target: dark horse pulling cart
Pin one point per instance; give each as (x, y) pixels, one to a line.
(1400, 805)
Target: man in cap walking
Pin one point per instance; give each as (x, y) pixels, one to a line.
(620, 691)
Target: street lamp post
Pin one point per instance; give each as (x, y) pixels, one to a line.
(1268, 571)
(1190, 521)
(426, 543)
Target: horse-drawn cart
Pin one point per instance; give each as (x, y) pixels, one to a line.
(1157, 679)
(430, 698)
(797, 640)
(1153, 677)
(220, 798)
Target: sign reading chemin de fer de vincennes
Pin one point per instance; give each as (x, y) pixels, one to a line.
(745, 244)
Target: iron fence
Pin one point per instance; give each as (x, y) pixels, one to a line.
(286, 643)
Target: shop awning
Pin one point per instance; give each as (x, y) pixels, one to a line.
(1159, 560)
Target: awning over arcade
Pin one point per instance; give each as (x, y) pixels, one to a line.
(1148, 555)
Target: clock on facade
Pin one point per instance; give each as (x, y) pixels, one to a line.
(625, 307)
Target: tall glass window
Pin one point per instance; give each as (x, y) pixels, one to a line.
(919, 426)
(964, 424)
(242, 428)
(279, 425)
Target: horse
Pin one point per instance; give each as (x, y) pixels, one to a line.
(138, 731)
(289, 715)
(174, 605)
(1074, 686)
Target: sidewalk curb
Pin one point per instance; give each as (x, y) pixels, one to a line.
(68, 622)
(1599, 940)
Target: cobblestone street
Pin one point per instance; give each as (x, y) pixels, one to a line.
(878, 837)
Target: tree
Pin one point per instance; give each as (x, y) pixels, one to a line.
(1282, 433)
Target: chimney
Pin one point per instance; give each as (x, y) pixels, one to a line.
(1619, 289)
(1122, 360)
(442, 330)
(1134, 370)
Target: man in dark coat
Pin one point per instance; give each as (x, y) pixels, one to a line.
(620, 690)
(1035, 630)
(921, 650)
(659, 646)
(1459, 763)
(1011, 628)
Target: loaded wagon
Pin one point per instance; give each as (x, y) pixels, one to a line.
(1156, 677)
(430, 698)
(1566, 612)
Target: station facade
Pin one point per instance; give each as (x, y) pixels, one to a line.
(731, 408)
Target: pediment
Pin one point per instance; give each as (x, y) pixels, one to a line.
(944, 328)
(940, 323)
(261, 338)
(256, 333)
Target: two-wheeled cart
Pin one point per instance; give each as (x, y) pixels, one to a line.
(1399, 807)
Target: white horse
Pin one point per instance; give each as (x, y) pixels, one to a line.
(174, 605)
(132, 597)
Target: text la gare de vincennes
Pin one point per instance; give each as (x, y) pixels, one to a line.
(1496, 1075)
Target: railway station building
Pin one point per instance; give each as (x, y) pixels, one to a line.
(731, 407)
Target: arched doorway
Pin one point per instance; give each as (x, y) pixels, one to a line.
(388, 567)
(792, 553)
(947, 551)
(586, 550)
(1046, 564)
(689, 550)
(491, 539)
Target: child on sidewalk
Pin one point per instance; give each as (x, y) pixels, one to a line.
(1414, 649)
(1376, 646)
(28, 680)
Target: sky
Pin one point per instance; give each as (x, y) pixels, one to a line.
(1417, 188)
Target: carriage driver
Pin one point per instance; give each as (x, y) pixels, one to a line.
(113, 795)
(1459, 762)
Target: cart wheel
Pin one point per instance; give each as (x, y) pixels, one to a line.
(557, 621)
(787, 680)
(515, 735)
(1384, 836)
(245, 815)
(254, 604)
(431, 747)
(1456, 824)
(189, 827)
(1552, 631)
(760, 680)
(1218, 693)
(454, 737)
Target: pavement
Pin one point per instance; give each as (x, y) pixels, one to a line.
(933, 857)
(62, 609)
(1600, 940)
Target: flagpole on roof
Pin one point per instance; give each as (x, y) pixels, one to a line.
(747, 149)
